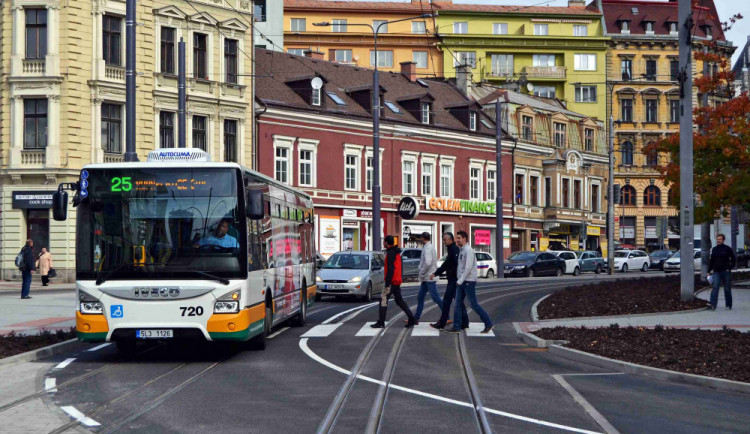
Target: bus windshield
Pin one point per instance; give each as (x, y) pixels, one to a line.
(162, 223)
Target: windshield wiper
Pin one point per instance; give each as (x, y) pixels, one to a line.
(110, 273)
(211, 276)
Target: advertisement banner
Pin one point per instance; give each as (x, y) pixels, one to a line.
(543, 244)
(482, 237)
(574, 245)
(603, 245)
(593, 231)
(330, 235)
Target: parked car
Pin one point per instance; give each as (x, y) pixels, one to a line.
(357, 273)
(673, 263)
(532, 264)
(486, 265)
(571, 261)
(590, 261)
(658, 258)
(743, 258)
(625, 260)
(410, 263)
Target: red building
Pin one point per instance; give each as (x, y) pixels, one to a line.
(436, 146)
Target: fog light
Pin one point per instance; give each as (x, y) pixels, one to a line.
(86, 327)
(231, 326)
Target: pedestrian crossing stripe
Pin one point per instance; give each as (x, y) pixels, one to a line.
(420, 330)
(321, 331)
(367, 330)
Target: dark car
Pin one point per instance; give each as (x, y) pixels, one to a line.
(743, 257)
(532, 264)
(658, 258)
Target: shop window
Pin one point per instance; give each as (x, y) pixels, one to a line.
(37, 228)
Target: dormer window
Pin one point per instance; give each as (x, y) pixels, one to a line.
(673, 28)
(315, 99)
(426, 112)
(709, 33)
(625, 26)
(473, 120)
(649, 25)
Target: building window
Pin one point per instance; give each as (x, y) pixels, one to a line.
(625, 26)
(502, 64)
(626, 68)
(306, 167)
(426, 112)
(200, 56)
(673, 27)
(595, 198)
(548, 192)
(527, 127)
(651, 69)
(36, 33)
(541, 29)
(167, 50)
(652, 158)
(468, 58)
(34, 123)
(580, 30)
(519, 189)
(709, 32)
(566, 193)
(627, 196)
(674, 70)
(626, 112)
(344, 56)
(560, 139)
(259, 11)
(446, 180)
(299, 24)
(296, 51)
(351, 172)
(166, 129)
(545, 91)
(627, 153)
(491, 183)
(339, 26)
(111, 39)
(385, 59)
(380, 26)
(543, 60)
(577, 194)
(674, 111)
(588, 139)
(315, 97)
(651, 110)
(473, 120)
(534, 190)
(418, 27)
(461, 28)
(652, 196)
(649, 26)
(584, 62)
(586, 93)
(112, 128)
(199, 132)
(281, 164)
(230, 141)
(407, 178)
(420, 58)
(500, 28)
(370, 170)
(230, 60)
(427, 177)
(475, 182)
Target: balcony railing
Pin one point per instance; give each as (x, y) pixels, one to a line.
(114, 158)
(115, 73)
(33, 66)
(501, 72)
(33, 158)
(545, 71)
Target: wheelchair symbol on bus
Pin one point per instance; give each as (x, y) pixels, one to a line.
(116, 311)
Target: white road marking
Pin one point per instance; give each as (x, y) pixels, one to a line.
(366, 330)
(592, 374)
(321, 331)
(273, 335)
(99, 347)
(598, 417)
(80, 417)
(424, 330)
(340, 314)
(474, 331)
(65, 363)
(310, 353)
(50, 385)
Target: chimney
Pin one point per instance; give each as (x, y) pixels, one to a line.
(318, 55)
(409, 70)
(577, 4)
(463, 79)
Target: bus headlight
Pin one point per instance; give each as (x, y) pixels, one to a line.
(92, 308)
(226, 307)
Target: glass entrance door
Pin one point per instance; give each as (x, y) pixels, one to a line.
(37, 228)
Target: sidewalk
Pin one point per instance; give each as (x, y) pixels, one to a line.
(44, 311)
(738, 318)
(36, 286)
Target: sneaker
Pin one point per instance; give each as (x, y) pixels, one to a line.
(464, 327)
(26, 298)
(437, 326)
(451, 330)
(378, 325)
(729, 307)
(711, 307)
(411, 324)
(487, 329)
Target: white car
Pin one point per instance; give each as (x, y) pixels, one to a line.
(486, 265)
(571, 261)
(673, 263)
(630, 260)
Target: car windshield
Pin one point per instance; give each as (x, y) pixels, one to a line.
(523, 256)
(348, 262)
(579, 254)
(621, 254)
(660, 254)
(676, 256)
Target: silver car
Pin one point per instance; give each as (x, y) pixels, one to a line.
(357, 273)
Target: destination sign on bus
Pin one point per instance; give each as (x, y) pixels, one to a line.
(147, 182)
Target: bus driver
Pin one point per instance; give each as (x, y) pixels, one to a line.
(219, 238)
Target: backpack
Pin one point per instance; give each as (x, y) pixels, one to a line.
(20, 260)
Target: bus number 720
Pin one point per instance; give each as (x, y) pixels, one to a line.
(192, 311)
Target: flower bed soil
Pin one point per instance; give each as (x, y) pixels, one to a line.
(13, 344)
(714, 353)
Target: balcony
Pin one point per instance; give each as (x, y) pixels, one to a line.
(114, 73)
(113, 158)
(34, 67)
(500, 73)
(545, 72)
(33, 158)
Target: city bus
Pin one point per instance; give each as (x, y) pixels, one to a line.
(179, 247)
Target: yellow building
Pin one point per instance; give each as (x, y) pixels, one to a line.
(349, 41)
(63, 95)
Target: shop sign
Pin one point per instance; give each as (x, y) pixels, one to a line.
(32, 199)
(350, 224)
(466, 206)
(543, 244)
(482, 237)
(563, 228)
(594, 231)
(408, 208)
(350, 213)
(367, 214)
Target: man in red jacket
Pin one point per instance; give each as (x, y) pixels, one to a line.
(393, 285)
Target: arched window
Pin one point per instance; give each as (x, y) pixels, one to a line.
(652, 196)
(627, 153)
(627, 196)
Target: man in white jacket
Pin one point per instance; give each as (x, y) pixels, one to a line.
(427, 267)
(467, 282)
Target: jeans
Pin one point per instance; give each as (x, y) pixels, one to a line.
(720, 276)
(396, 291)
(25, 283)
(450, 294)
(423, 288)
(468, 289)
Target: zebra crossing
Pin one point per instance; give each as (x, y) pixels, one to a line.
(418, 331)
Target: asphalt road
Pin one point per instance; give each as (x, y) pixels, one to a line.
(403, 381)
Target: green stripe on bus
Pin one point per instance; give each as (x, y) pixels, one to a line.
(91, 337)
(255, 329)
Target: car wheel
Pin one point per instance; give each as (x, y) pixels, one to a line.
(490, 274)
(645, 267)
(576, 271)
(598, 269)
(530, 272)
(368, 294)
(560, 272)
(624, 268)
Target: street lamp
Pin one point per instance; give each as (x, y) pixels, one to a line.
(376, 243)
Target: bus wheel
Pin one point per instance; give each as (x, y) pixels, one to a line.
(299, 320)
(259, 342)
(126, 347)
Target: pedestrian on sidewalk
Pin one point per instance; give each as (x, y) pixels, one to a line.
(450, 269)
(427, 268)
(720, 267)
(393, 281)
(467, 282)
(44, 265)
(27, 268)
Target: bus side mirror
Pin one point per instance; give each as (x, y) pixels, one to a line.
(60, 205)
(254, 207)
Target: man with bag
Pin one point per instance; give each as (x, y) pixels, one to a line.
(27, 267)
(393, 281)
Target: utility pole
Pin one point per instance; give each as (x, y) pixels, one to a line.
(181, 97)
(130, 154)
(611, 198)
(499, 217)
(705, 226)
(687, 268)
(376, 243)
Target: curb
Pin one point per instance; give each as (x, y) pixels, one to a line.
(534, 313)
(647, 371)
(41, 353)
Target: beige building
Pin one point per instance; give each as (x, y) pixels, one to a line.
(63, 95)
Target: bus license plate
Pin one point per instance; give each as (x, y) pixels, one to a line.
(154, 334)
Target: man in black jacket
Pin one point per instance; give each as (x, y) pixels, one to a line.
(28, 267)
(720, 267)
(393, 279)
(450, 268)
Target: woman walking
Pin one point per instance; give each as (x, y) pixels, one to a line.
(44, 264)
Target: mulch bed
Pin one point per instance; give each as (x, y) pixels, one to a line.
(13, 344)
(714, 353)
